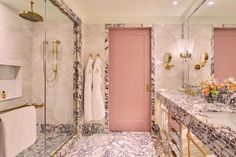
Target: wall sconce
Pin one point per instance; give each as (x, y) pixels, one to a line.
(203, 60)
(185, 47)
(167, 61)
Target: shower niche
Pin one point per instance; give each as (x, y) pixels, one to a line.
(10, 80)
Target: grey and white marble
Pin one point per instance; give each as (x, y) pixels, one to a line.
(116, 144)
(193, 112)
(53, 141)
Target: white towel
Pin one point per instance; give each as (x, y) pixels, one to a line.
(88, 90)
(2, 143)
(19, 130)
(97, 98)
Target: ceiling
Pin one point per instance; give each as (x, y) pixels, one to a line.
(222, 10)
(137, 11)
(131, 11)
(152, 11)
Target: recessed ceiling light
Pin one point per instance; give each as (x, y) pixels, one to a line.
(211, 3)
(175, 2)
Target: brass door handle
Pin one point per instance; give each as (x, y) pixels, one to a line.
(148, 87)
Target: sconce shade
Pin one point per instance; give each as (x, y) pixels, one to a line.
(185, 45)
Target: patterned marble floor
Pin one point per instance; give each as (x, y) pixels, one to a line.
(116, 144)
(54, 140)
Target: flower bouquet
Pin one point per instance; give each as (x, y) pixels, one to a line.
(210, 90)
(214, 91)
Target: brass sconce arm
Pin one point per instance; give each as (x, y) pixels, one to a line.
(167, 61)
(203, 60)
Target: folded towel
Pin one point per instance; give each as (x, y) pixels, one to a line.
(18, 130)
(97, 98)
(88, 90)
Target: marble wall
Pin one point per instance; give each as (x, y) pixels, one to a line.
(16, 45)
(93, 40)
(165, 40)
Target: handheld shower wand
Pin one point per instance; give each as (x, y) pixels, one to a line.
(54, 51)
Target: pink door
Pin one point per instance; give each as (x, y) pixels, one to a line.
(129, 80)
(225, 53)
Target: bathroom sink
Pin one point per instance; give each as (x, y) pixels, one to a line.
(222, 119)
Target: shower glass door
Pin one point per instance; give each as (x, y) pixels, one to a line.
(59, 78)
(36, 38)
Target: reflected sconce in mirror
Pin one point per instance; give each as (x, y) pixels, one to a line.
(167, 61)
(203, 60)
(185, 48)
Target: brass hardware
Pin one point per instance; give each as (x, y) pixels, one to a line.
(197, 67)
(54, 51)
(189, 137)
(167, 61)
(186, 56)
(54, 153)
(148, 87)
(174, 142)
(203, 60)
(25, 105)
(169, 66)
(55, 44)
(173, 153)
(166, 134)
(31, 15)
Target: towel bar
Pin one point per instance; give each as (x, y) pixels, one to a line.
(25, 105)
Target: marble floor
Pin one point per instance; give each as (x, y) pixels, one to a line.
(116, 144)
(54, 140)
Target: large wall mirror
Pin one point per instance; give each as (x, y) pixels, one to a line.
(213, 29)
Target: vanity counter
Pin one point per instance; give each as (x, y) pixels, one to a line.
(213, 123)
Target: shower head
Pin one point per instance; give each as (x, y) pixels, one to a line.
(31, 15)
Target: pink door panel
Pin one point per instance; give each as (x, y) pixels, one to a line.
(225, 53)
(129, 74)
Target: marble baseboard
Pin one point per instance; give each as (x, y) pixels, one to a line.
(57, 128)
(92, 128)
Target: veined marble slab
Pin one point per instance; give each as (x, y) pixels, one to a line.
(202, 118)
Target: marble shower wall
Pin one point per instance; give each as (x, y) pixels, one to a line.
(60, 92)
(16, 45)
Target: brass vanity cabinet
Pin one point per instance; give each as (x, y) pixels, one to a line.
(181, 142)
(175, 136)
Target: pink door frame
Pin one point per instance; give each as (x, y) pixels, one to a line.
(127, 125)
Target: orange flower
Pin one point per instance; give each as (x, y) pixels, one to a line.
(205, 91)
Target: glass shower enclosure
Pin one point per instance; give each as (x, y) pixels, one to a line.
(40, 37)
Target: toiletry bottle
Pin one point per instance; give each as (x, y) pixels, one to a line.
(3, 95)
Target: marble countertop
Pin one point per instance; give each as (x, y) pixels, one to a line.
(213, 123)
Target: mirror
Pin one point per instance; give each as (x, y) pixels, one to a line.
(213, 29)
